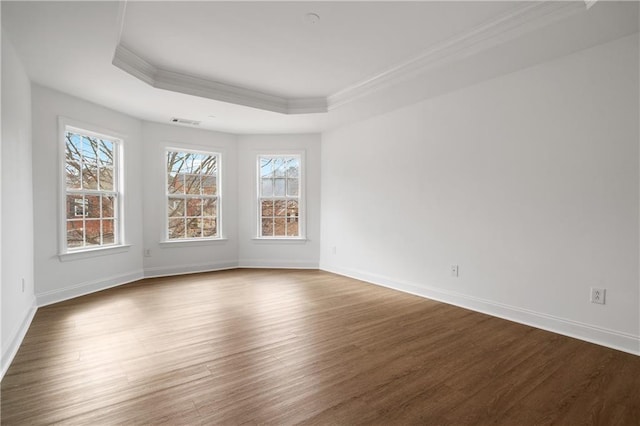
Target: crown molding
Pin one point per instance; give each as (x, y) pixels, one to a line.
(515, 23)
(196, 86)
(128, 61)
(133, 64)
(589, 3)
(307, 105)
(506, 27)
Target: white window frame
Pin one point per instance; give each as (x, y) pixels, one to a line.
(302, 211)
(166, 195)
(64, 252)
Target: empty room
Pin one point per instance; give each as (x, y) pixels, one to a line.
(320, 212)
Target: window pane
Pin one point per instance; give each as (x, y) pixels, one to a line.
(73, 147)
(106, 178)
(72, 174)
(92, 232)
(280, 208)
(292, 187)
(89, 150)
(176, 207)
(176, 228)
(194, 228)
(266, 167)
(175, 162)
(292, 227)
(209, 228)
(292, 208)
(279, 167)
(194, 207)
(105, 152)
(75, 206)
(192, 184)
(108, 204)
(89, 176)
(191, 163)
(279, 227)
(267, 187)
(75, 237)
(279, 187)
(175, 183)
(108, 235)
(266, 208)
(209, 207)
(267, 227)
(209, 165)
(92, 206)
(293, 168)
(209, 186)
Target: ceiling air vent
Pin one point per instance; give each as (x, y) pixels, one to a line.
(185, 121)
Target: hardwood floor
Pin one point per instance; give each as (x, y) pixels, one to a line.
(285, 347)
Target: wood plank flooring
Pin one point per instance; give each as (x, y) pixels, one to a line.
(303, 347)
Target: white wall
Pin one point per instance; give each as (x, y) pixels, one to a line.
(18, 302)
(174, 258)
(528, 182)
(57, 280)
(239, 246)
(144, 148)
(272, 253)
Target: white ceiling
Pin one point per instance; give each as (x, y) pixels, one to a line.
(269, 46)
(361, 58)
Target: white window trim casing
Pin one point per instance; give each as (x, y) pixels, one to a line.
(182, 242)
(65, 254)
(302, 228)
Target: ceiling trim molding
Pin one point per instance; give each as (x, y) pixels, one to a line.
(307, 105)
(122, 8)
(506, 27)
(130, 62)
(133, 64)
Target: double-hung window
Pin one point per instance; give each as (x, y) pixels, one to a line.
(280, 206)
(92, 190)
(193, 195)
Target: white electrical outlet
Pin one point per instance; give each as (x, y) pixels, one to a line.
(333, 250)
(454, 270)
(23, 285)
(147, 253)
(598, 295)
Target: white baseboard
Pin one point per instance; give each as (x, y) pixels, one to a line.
(59, 295)
(278, 264)
(167, 271)
(610, 338)
(55, 296)
(10, 352)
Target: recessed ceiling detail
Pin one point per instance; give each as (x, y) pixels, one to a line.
(508, 26)
(130, 62)
(500, 29)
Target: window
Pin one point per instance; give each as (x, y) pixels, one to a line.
(280, 196)
(193, 195)
(91, 190)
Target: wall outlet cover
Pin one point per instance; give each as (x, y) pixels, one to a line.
(598, 295)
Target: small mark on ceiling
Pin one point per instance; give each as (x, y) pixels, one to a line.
(312, 18)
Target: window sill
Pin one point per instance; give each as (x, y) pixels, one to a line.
(93, 252)
(191, 243)
(276, 240)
